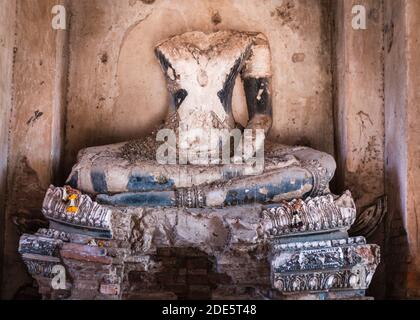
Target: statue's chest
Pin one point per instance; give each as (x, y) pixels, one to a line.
(204, 81)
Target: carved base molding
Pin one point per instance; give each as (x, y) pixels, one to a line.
(85, 213)
(313, 215)
(347, 264)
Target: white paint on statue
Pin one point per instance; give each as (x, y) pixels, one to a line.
(212, 147)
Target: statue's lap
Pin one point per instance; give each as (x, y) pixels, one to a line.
(288, 171)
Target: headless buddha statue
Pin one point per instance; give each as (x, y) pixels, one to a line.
(201, 70)
(123, 204)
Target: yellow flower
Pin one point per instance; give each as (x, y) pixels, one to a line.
(72, 209)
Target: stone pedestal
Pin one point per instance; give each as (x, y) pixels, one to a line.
(329, 269)
(242, 252)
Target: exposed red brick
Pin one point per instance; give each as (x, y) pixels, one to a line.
(110, 289)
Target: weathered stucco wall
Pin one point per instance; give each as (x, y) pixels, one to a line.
(396, 150)
(34, 126)
(359, 111)
(413, 145)
(402, 108)
(117, 90)
(7, 37)
(359, 102)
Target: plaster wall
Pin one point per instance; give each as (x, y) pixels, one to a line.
(359, 112)
(413, 146)
(402, 146)
(359, 102)
(7, 37)
(34, 125)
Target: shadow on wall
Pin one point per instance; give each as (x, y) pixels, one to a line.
(396, 251)
(397, 257)
(25, 207)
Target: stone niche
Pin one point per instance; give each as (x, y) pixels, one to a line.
(114, 72)
(108, 87)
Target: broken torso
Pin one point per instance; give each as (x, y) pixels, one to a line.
(201, 70)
